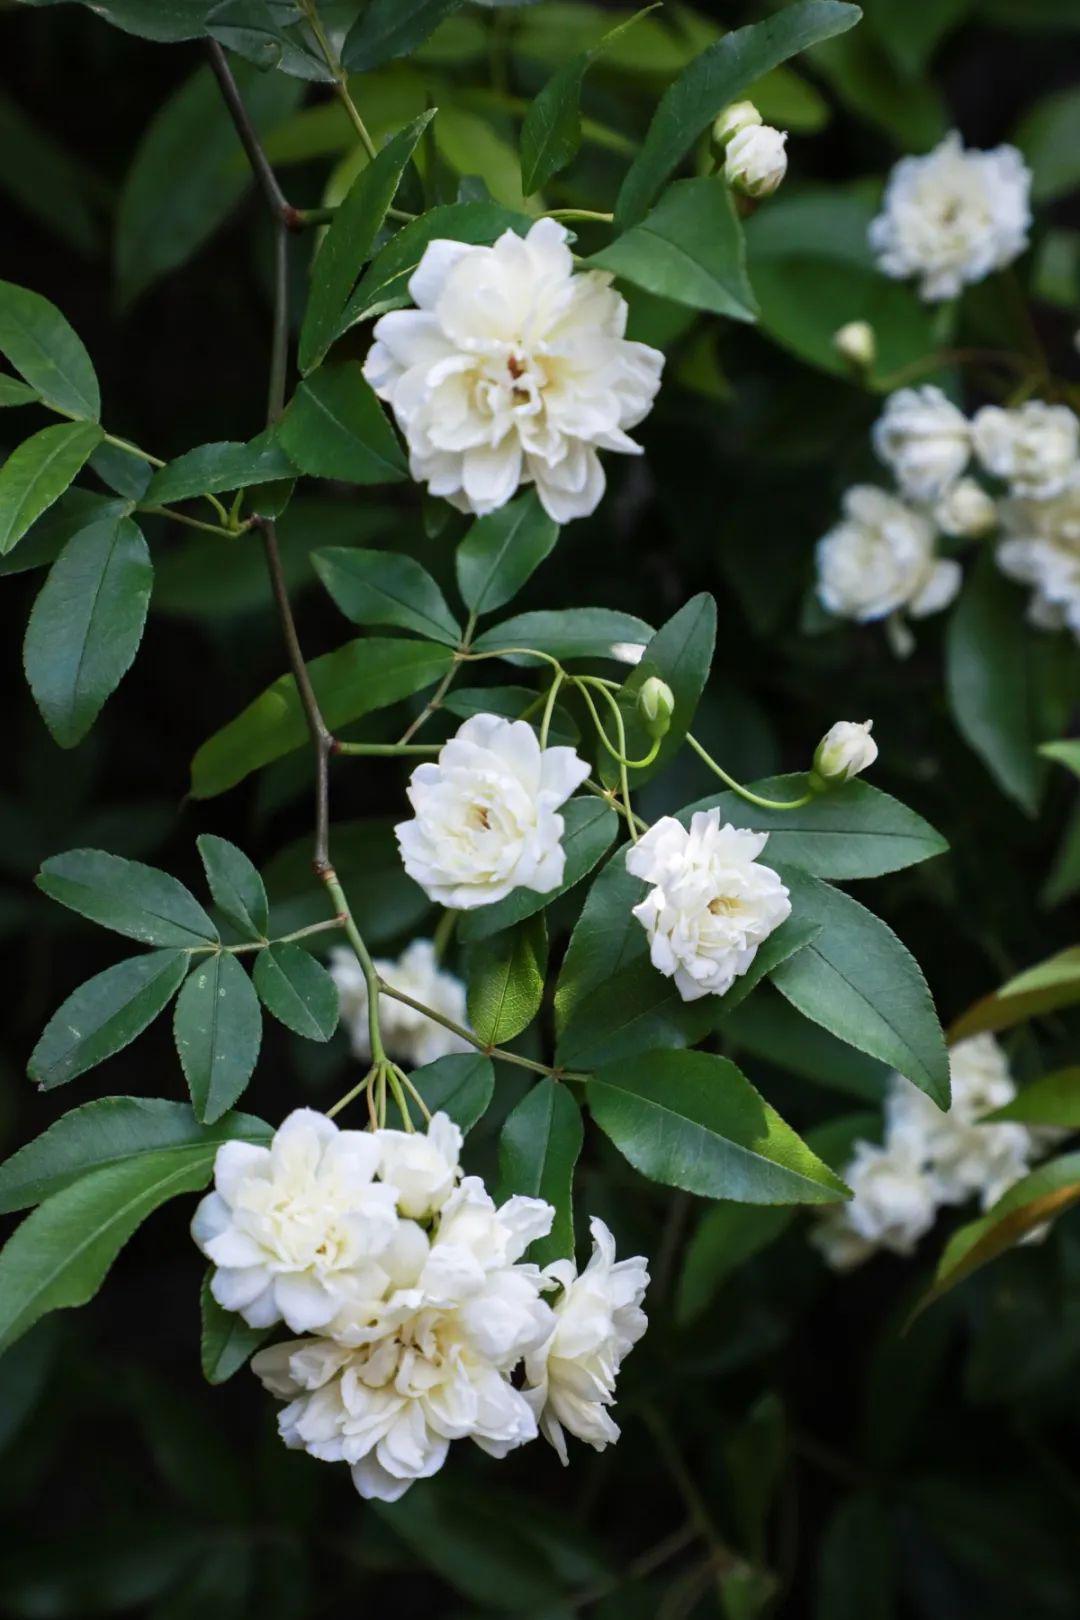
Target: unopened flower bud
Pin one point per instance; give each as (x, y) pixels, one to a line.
(846, 749)
(656, 705)
(966, 511)
(857, 342)
(738, 116)
(755, 161)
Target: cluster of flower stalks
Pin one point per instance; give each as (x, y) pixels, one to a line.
(422, 1321)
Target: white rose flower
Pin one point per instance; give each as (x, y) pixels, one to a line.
(408, 1035)
(952, 217)
(846, 749)
(893, 1205)
(738, 116)
(925, 439)
(966, 511)
(1042, 549)
(291, 1226)
(512, 370)
(570, 1378)
(881, 559)
(755, 161)
(711, 904)
(1033, 448)
(420, 1168)
(487, 817)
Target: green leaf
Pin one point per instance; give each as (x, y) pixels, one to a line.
(111, 1130)
(1049, 137)
(185, 179)
(501, 551)
(694, 1121)
(719, 76)
(212, 468)
(1066, 752)
(297, 990)
(571, 633)
(590, 827)
(104, 1015)
(388, 29)
(50, 182)
(859, 1561)
(127, 896)
(681, 654)
(512, 702)
(386, 587)
(506, 981)
(606, 939)
(460, 1085)
(771, 1029)
(538, 1149)
(1008, 690)
(226, 1343)
(67, 517)
(689, 249)
(235, 885)
(863, 77)
(1041, 989)
(725, 1238)
(358, 678)
(164, 20)
(857, 980)
(124, 473)
(60, 1255)
(384, 901)
(38, 472)
(14, 392)
(334, 427)
(260, 31)
(384, 286)
(1054, 1100)
(853, 831)
(86, 625)
(217, 1026)
(349, 240)
(46, 351)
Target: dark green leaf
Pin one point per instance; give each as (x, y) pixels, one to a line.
(590, 827)
(104, 1015)
(461, 1085)
(385, 903)
(86, 625)
(771, 1029)
(538, 1149)
(46, 351)
(1054, 1100)
(859, 1562)
(385, 284)
(506, 981)
(127, 896)
(607, 938)
(262, 32)
(235, 885)
(689, 249)
(214, 467)
(1038, 990)
(49, 181)
(571, 633)
(501, 551)
(165, 20)
(217, 1026)
(297, 990)
(681, 654)
(227, 1343)
(335, 428)
(38, 472)
(386, 587)
(14, 392)
(128, 475)
(694, 1121)
(725, 1238)
(67, 517)
(392, 28)
(1049, 137)
(358, 678)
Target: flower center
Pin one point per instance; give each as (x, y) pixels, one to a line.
(725, 905)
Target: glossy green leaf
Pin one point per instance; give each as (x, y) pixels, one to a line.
(501, 552)
(14, 392)
(719, 76)
(680, 654)
(392, 28)
(1049, 137)
(573, 633)
(211, 468)
(1038, 990)
(235, 885)
(164, 20)
(689, 249)
(694, 1121)
(334, 427)
(460, 1085)
(136, 900)
(46, 539)
(506, 981)
(386, 587)
(1053, 1099)
(538, 1149)
(1066, 752)
(384, 285)
(217, 1026)
(770, 1028)
(297, 990)
(38, 472)
(358, 678)
(264, 32)
(86, 625)
(46, 351)
(349, 240)
(226, 1343)
(110, 1131)
(606, 939)
(590, 828)
(128, 475)
(105, 1014)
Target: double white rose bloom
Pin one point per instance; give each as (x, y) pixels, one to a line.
(422, 1312)
(881, 559)
(1041, 548)
(408, 1035)
(929, 1158)
(512, 370)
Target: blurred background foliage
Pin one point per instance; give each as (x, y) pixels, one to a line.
(786, 1449)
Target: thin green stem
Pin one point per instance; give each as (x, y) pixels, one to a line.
(133, 450)
(444, 933)
(610, 798)
(580, 213)
(350, 1096)
(504, 652)
(363, 956)
(604, 687)
(262, 944)
(414, 1094)
(434, 703)
(194, 523)
(549, 707)
(386, 749)
(395, 1077)
(474, 1040)
(745, 792)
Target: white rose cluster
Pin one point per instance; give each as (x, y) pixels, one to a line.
(421, 1322)
(951, 217)
(929, 1158)
(408, 1035)
(512, 370)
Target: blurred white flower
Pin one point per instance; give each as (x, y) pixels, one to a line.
(966, 511)
(925, 439)
(710, 905)
(409, 1036)
(755, 161)
(286, 1225)
(881, 559)
(487, 817)
(893, 1205)
(846, 749)
(570, 1377)
(422, 1168)
(512, 370)
(1033, 448)
(857, 342)
(1041, 548)
(952, 217)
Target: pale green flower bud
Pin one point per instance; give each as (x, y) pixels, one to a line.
(857, 342)
(755, 161)
(739, 115)
(846, 749)
(656, 705)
